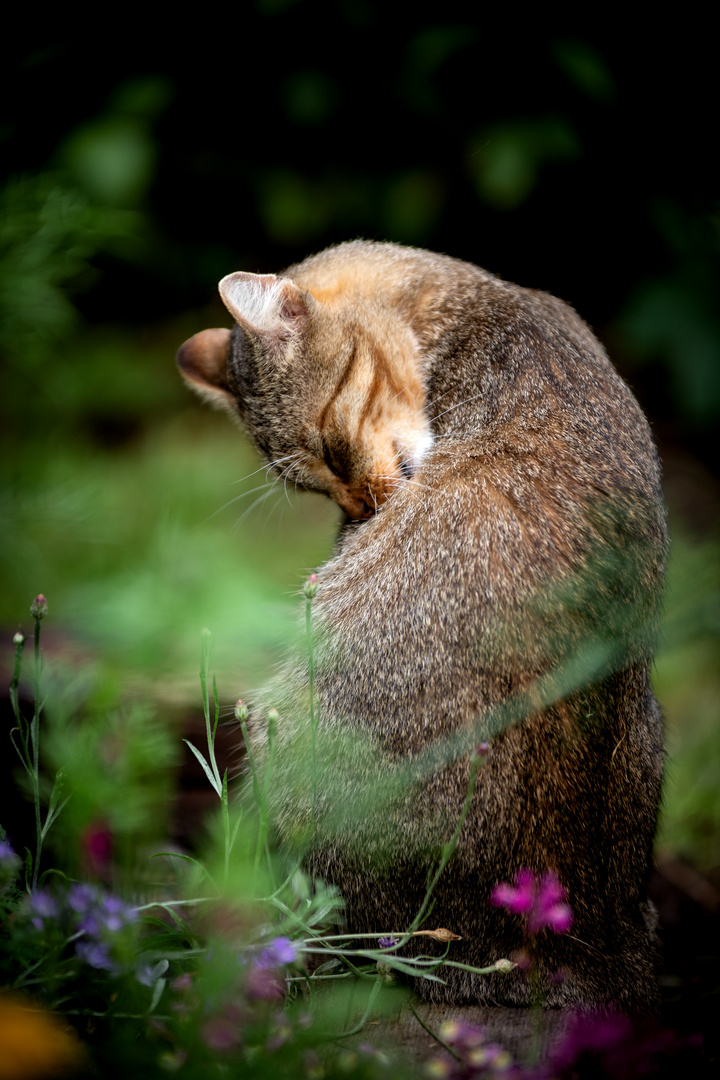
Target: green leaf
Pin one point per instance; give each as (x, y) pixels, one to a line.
(217, 788)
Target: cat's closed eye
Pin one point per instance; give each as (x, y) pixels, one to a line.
(335, 457)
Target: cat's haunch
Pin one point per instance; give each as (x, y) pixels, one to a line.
(498, 579)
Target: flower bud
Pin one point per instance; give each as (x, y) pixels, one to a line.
(18, 638)
(241, 711)
(310, 587)
(504, 965)
(38, 608)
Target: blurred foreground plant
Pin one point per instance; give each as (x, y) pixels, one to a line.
(230, 964)
(218, 963)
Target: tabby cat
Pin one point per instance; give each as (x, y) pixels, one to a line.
(497, 579)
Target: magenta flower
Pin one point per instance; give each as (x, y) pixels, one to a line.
(541, 900)
(96, 844)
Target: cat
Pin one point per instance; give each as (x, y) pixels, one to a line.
(497, 580)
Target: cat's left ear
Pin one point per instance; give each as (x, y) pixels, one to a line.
(203, 362)
(272, 309)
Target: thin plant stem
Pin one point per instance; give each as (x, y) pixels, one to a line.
(313, 715)
(264, 809)
(448, 849)
(371, 1001)
(35, 768)
(19, 647)
(433, 1034)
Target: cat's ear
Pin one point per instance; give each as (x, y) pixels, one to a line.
(271, 308)
(203, 361)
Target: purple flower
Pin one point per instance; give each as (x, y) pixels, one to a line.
(116, 914)
(264, 981)
(96, 954)
(540, 899)
(387, 942)
(9, 864)
(7, 853)
(81, 897)
(43, 906)
(280, 951)
(103, 916)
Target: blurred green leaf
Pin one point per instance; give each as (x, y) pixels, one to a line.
(310, 97)
(584, 66)
(49, 233)
(505, 160)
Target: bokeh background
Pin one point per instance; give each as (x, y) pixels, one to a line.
(139, 168)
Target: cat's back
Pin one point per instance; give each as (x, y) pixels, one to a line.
(541, 471)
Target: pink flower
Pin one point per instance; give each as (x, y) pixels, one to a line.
(265, 984)
(310, 587)
(39, 607)
(96, 843)
(540, 899)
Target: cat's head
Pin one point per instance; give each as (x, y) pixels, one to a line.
(328, 381)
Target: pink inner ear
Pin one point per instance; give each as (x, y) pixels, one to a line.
(293, 305)
(269, 307)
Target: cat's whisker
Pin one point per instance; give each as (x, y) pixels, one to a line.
(262, 498)
(406, 387)
(292, 461)
(264, 466)
(236, 498)
(431, 404)
(402, 481)
(278, 505)
(457, 406)
(284, 477)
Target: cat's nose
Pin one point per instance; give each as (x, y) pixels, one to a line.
(357, 507)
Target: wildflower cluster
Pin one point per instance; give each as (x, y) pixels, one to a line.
(242, 1019)
(100, 926)
(472, 1055)
(540, 899)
